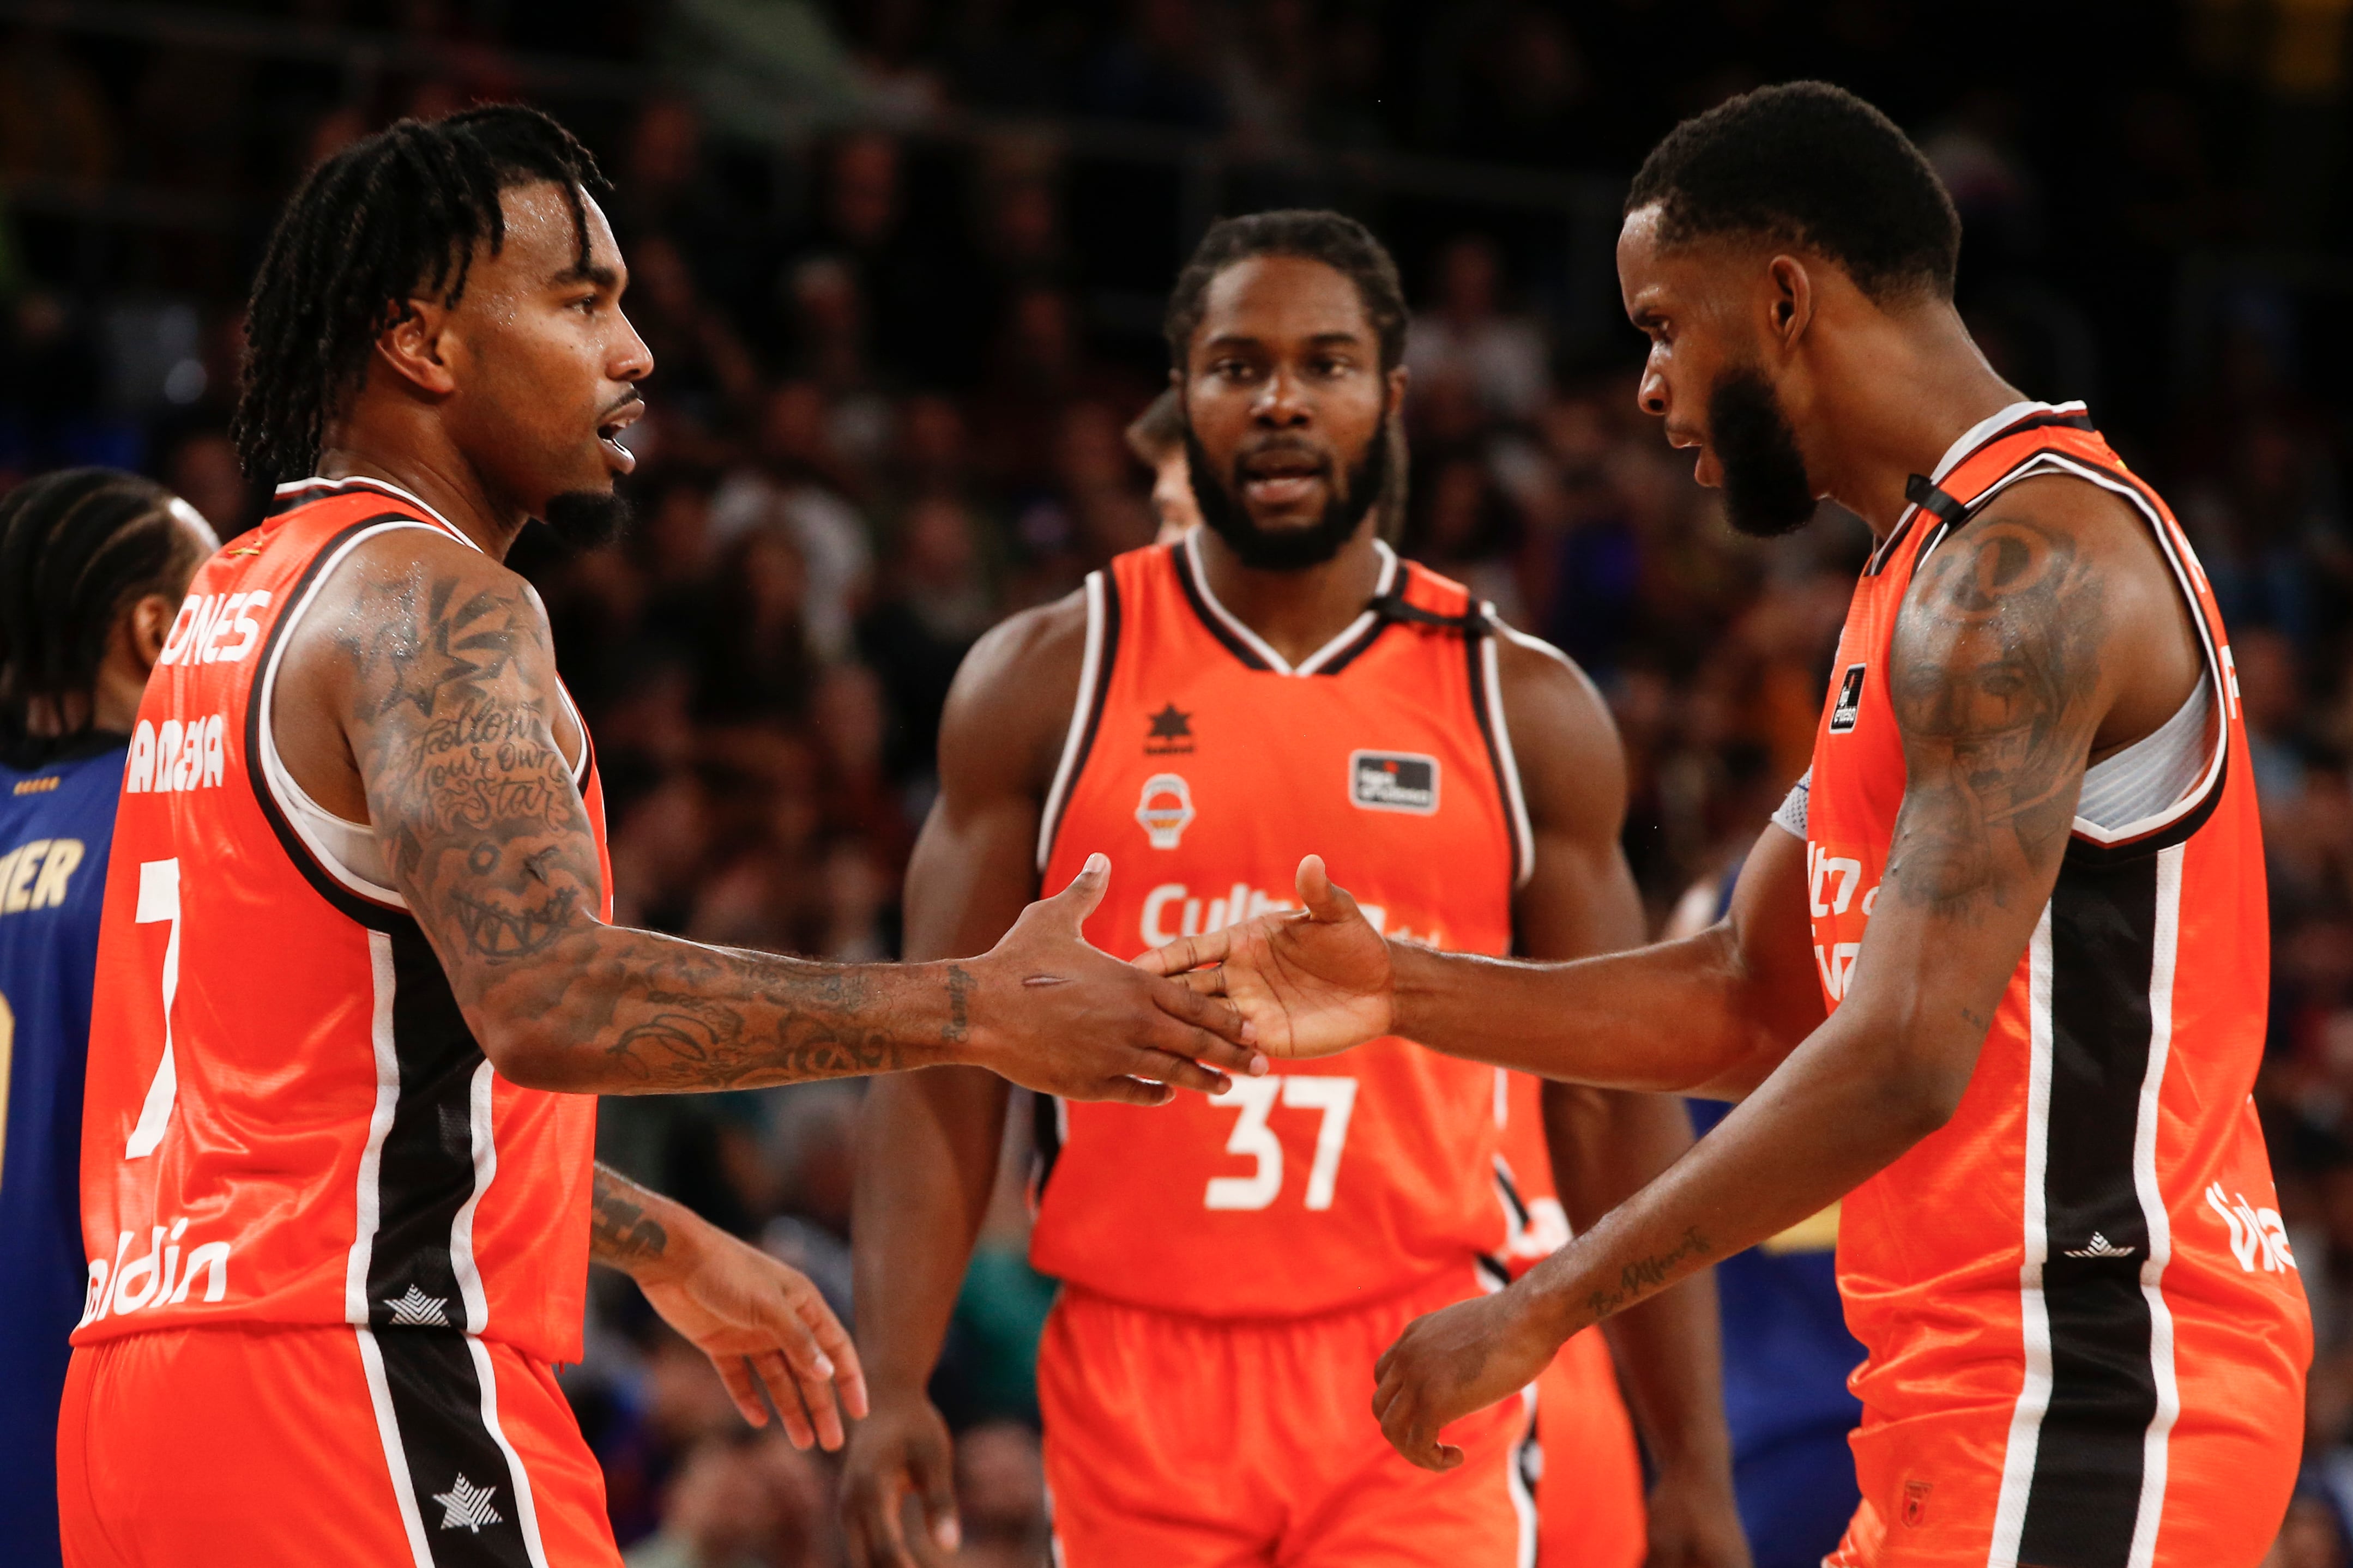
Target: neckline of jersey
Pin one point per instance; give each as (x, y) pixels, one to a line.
(1965, 446)
(370, 482)
(1258, 645)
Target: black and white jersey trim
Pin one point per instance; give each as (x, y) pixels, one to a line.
(2083, 1473)
(1087, 710)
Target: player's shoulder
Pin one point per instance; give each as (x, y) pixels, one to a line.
(1012, 696)
(1541, 682)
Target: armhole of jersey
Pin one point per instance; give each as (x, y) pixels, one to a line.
(272, 785)
(1487, 698)
(1086, 711)
(2177, 821)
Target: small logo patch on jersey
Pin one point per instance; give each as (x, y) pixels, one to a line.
(1165, 809)
(37, 786)
(467, 1506)
(1393, 781)
(1850, 700)
(1915, 1501)
(1171, 733)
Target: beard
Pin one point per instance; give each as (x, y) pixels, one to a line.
(1766, 491)
(587, 519)
(1219, 497)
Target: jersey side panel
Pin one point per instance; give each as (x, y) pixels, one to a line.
(1329, 1182)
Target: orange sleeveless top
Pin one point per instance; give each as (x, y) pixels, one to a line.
(2090, 1251)
(1206, 765)
(287, 1121)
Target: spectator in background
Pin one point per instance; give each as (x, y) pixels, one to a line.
(1462, 333)
(1157, 437)
(801, 486)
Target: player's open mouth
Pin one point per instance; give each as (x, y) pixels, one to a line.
(1281, 479)
(608, 434)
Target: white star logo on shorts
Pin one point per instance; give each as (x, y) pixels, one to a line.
(467, 1505)
(416, 1309)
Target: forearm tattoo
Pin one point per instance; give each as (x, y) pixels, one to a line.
(489, 843)
(620, 1231)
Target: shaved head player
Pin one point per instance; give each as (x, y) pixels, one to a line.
(1998, 977)
(356, 987)
(1207, 710)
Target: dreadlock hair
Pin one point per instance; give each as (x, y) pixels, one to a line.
(390, 218)
(1339, 241)
(77, 548)
(1809, 163)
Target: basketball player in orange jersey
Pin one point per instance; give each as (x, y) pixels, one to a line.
(1203, 711)
(356, 987)
(1997, 979)
(1589, 1490)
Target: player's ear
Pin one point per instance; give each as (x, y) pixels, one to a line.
(1393, 394)
(410, 346)
(1789, 301)
(144, 629)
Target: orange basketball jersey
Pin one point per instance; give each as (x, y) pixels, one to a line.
(287, 1121)
(2086, 1334)
(1206, 765)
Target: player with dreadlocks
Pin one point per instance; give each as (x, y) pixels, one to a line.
(92, 564)
(356, 985)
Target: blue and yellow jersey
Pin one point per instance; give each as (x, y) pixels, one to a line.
(55, 825)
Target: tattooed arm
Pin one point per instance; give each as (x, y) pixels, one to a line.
(2034, 637)
(433, 663)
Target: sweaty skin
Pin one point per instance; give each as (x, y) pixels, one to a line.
(419, 696)
(1283, 347)
(2044, 636)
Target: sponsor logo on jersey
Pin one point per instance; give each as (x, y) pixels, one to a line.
(1171, 734)
(1850, 700)
(176, 756)
(159, 1278)
(1172, 910)
(1393, 781)
(2254, 1233)
(1165, 809)
(34, 875)
(214, 628)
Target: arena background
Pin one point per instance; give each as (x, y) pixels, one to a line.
(901, 265)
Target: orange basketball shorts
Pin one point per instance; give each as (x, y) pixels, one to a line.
(1589, 1507)
(1197, 1443)
(228, 1448)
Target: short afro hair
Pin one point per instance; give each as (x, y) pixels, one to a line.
(1334, 239)
(1809, 163)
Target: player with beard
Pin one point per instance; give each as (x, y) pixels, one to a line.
(1204, 710)
(1995, 977)
(356, 990)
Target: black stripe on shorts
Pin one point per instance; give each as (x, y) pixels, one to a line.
(458, 1473)
(2085, 1498)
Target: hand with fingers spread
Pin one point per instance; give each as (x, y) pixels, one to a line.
(1052, 1012)
(1311, 981)
(1454, 1362)
(903, 1450)
(763, 1324)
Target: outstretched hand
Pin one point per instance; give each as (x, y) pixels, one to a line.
(1053, 1012)
(1311, 981)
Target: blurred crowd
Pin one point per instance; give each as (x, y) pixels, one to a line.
(894, 371)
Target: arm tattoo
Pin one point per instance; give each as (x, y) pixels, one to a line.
(959, 1026)
(489, 841)
(620, 1231)
(1645, 1275)
(1995, 672)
